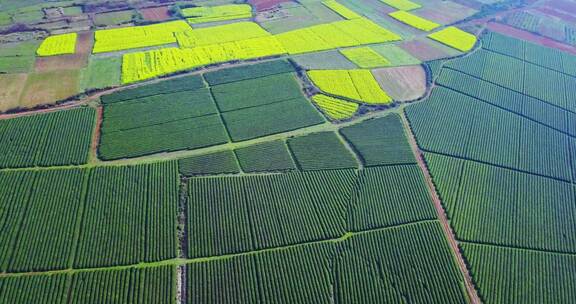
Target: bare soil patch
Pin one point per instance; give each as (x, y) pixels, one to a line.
(402, 83)
(10, 90)
(49, 87)
(74, 61)
(155, 13)
(263, 5)
(524, 35)
(423, 51)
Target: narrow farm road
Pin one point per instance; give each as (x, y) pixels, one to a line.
(96, 135)
(472, 294)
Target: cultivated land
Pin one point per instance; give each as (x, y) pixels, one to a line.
(278, 151)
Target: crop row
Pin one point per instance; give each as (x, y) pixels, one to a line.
(493, 205)
(414, 20)
(150, 64)
(508, 275)
(321, 151)
(380, 141)
(460, 125)
(212, 35)
(265, 157)
(118, 39)
(57, 219)
(168, 116)
(376, 142)
(350, 271)
(335, 108)
(145, 285)
(518, 75)
(223, 47)
(58, 138)
(516, 102)
(354, 84)
(245, 213)
(365, 57)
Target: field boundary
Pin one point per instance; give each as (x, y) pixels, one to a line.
(442, 216)
(498, 166)
(510, 111)
(519, 248)
(507, 88)
(185, 261)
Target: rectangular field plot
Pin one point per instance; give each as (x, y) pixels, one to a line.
(321, 151)
(238, 214)
(118, 39)
(190, 133)
(102, 73)
(525, 211)
(18, 57)
(160, 123)
(414, 20)
(34, 202)
(265, 157)
(130, 216)
(213, 35)
(58, 138)
(154, 285)
(95, 217)
(547, 85)
(149, 64)
(546, 57)
(404, 5)
(388, 196)
(217, 13)
(270, 119)
(359, 85)
(380, 141)
(186, 83)
(256, 92)
(459, 125)
(223, 162)
(157, 109)
(539, 277)
(346, 271)
(248, 72)
(334, 35)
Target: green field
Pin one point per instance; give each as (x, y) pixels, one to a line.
(102, 73)
(52, 139)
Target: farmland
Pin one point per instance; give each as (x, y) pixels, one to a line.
(282, 151)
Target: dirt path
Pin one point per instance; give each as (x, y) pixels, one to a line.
(96, 135)
(472, 294)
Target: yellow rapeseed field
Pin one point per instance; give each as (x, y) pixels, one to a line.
(58, 45)
(333, 35)
(335, 108)
(341, 9)
(365, 57)
(138, 36)
(404, 5)
(149, 64)
(414, 21)
(354, 84)
(455, 37)
(220, 34)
